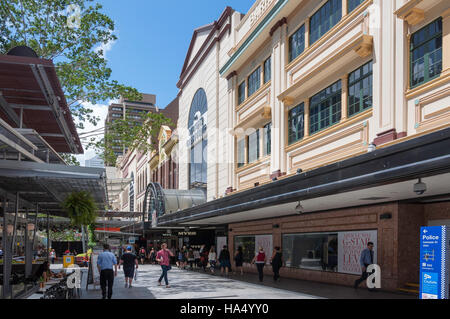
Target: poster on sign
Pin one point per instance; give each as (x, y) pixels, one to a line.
(350, 246)
(221, 241)
(264, 241)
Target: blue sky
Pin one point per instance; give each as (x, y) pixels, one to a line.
(153, 39)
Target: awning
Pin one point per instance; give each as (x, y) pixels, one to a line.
(48, 184)
(392, 169)
(31, 97)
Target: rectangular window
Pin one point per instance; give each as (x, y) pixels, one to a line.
(325, 108)
(267, 70)
(353, 4)
(254, 81)
(241, 93)
(426, 53)
(311, 251)
(267, 139)
(241, 152)
(297, 43)
(248, 247)
(296, 124)
(253, 147)
(360, 89)
(324, 19)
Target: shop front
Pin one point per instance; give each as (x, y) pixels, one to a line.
(322, 219)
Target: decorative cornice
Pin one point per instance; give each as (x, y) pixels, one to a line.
(231, 75)
(279, 24)
(365, 47)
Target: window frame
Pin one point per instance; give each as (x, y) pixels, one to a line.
(330, 111)
(426, 68)
(268, 60)
(243, 85)
(356, 6)
(290, 132)
(267, 139)
(360, 80)
(243, 140)
(257, 147)
(330, 17)
(291, 57)
(257, 76)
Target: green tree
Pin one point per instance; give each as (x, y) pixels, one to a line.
(73, 40)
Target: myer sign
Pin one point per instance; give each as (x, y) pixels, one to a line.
(434, 262)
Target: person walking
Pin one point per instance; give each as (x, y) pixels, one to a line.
(106, 262)
(239, 260)
(212, 259)
(130, 262)
(365, 260)
(163, 257)
(260, 261)
(152, 256)
(53, 256)
(190, 258)
(277, 263)
(142, 254)
(224, 260)
(203, 257)
(196, 258)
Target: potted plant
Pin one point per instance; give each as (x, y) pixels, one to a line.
(81, 208)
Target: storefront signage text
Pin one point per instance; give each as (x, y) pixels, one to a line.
(187, 233)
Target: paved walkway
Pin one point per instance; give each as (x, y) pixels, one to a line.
(318, 289)
(189, 285)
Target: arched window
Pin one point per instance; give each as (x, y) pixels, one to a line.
(198, 141)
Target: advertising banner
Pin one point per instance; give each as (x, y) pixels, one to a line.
(350, 246)
(434, 262)
(220, 242)
(266, 242)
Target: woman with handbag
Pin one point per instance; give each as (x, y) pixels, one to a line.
(163, 257)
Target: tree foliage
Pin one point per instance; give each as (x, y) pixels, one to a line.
(81, 208)
(130, 134)
(74, 41)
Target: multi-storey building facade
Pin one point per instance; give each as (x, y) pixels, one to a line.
(318, 117)
(135, 110)
(138, 166)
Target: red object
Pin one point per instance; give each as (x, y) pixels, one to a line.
(261, 257)
(113, 229)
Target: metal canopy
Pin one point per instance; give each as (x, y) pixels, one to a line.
(420, 157)
(45, 152)
(31, 97)
(49, 184)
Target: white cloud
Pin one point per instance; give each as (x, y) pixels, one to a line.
(101, 111)
(106, 47)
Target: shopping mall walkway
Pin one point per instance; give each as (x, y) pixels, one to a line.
(189, 285)
(321, 290)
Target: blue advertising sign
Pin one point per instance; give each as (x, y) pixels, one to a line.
(434, 262)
